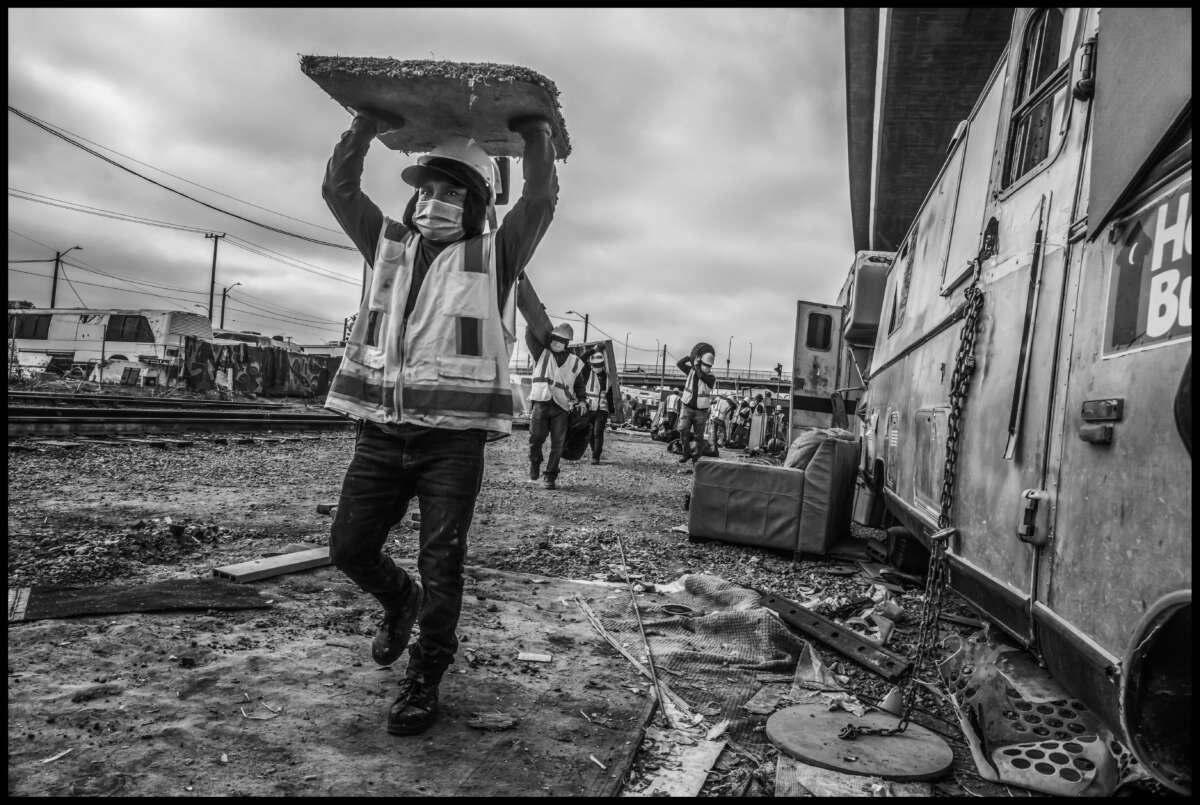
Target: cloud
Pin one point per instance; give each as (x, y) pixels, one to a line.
(706, 192)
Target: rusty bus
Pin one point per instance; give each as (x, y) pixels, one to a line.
(1063, 206)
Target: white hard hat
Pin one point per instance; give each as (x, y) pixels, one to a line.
(596, 359)
(450, 157)
(563, 331)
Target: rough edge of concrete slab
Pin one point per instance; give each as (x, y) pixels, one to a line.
(332, 73)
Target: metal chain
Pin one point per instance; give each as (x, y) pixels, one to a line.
(937, 575)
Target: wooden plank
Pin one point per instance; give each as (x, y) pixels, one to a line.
(687, 780)
(56, 443)
(796, 779)
(18, 600)
(56, 601)
(274, 565)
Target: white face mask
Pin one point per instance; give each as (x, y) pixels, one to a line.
(557, 346)
(438, 221)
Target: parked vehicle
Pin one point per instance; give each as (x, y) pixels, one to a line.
(80, 337)
(1057, 236)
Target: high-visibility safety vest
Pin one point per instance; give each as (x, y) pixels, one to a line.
(673, 400)
(696, 393)
(552, 382)
(597, 399)
(446, 366)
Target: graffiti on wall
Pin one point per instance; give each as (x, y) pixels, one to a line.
(247, 369)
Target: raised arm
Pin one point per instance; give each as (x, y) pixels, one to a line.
(342, 189)
(523, 227)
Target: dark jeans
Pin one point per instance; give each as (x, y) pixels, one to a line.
(444, 470)
(547, 419)
(693, 420)
(599, 423)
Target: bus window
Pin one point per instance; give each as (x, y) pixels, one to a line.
(131, 329)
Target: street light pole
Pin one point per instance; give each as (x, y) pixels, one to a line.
(224, 293)
(585, 322)
(749, 361)
(728, 355)
(625, 361)
(58, 258)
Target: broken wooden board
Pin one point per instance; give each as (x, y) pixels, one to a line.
(256, 569)
(433, 99)
(38, 603)
(695, 762)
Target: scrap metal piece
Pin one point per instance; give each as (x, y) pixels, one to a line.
(887, 664)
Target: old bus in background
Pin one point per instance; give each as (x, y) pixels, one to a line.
(66, 339)
(1064, 201)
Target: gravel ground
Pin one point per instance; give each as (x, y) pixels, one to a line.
(134, 513)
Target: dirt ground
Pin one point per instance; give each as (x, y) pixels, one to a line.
(110, 687)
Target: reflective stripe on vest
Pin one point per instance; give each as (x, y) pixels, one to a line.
(554, 382)
(700, 399)
(597, 399)
(446, 365)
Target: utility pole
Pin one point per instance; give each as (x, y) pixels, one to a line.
(662, 378)
(749, 361)
(212, 285)
(625, 361)
(728, 355)
(58, 258)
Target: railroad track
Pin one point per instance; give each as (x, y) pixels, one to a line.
(62, 420)
(21, 399)
(54, 415)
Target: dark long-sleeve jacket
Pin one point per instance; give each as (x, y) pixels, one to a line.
(517, 236)
(519, 233)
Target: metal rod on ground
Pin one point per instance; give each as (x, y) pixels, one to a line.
(642, 630)
(672, 697)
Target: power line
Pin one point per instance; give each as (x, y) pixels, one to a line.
(71, 285)
(48, 128)
(197, 184)
(137, 219)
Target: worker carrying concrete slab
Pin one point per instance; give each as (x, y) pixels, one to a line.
(425, 374)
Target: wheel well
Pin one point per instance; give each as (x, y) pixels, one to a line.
(1156, 691)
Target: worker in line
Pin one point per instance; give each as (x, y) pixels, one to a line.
(671, 411)
(696, 400)
(414, 377)
(722, 418)
(599, 395)
(558, 388)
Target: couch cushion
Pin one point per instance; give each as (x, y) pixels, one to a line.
(805, 445)
(828, 492)
(751, 504)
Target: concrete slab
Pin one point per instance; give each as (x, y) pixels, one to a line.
(437, 98)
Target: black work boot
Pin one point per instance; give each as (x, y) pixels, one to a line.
(416, 708)
(535, 470)
(549, 482)
(392, 637)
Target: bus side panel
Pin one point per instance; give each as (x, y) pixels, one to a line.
(1122, 530)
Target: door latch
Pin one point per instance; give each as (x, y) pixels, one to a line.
(1027, 530)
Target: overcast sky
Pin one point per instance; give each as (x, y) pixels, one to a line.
(705, 193)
